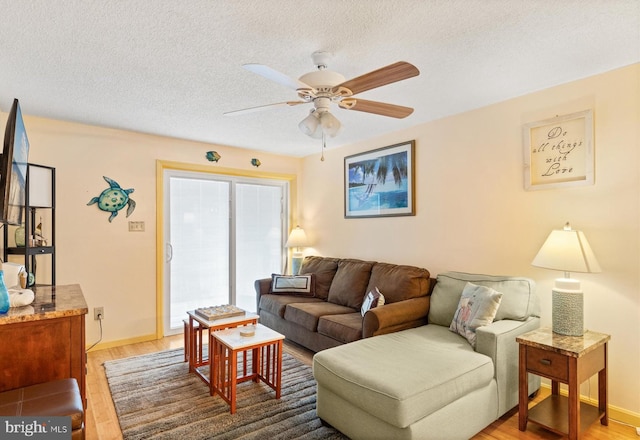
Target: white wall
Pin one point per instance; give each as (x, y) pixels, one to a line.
(474, 215)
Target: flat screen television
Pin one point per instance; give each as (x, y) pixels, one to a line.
(13, 168)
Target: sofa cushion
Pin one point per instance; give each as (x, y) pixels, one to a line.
(399, 282)
(324, 269)
(292, 284)
(477, 307)
(345, 328)
(374, 298)
(276, 304)
(365, 372)
(350, 283)
(307, 314)
(519, 300)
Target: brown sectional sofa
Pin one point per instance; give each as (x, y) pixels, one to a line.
(332, 316)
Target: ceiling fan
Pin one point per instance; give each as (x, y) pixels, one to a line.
(323, 87)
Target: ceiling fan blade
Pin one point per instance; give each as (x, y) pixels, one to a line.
(379, 108)
(381, 77)
(274, 75)
(263, 107)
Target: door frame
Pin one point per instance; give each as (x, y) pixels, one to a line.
(161, 166)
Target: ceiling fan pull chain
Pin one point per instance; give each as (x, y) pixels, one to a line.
(324, 145)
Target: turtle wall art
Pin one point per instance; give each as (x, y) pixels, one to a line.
(113, 199)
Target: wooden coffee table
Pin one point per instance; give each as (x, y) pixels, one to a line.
(203, 328)
(265, 347)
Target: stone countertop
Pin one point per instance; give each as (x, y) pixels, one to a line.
(574, 346)
(50, 302)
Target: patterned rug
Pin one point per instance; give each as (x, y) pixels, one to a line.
(156, 397)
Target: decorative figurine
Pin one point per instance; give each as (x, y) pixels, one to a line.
(113, 199)
(38, 238)
(255, 162)
(213, 156)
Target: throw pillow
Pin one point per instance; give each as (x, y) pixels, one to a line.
(371, 300)
(292, 285)
(477, 307)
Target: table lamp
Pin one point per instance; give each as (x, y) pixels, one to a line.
(569, 251)
(297, 239)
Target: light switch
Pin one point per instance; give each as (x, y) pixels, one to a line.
(136, 226)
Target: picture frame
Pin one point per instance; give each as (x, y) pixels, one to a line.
(558, 152)
(381, 182)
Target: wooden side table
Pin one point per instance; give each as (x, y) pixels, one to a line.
(563, 359)
(199, 325)
(266, 361)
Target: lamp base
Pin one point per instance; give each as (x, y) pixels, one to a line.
(296, 263)
(567, 308)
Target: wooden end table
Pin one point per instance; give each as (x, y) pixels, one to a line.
(563, 359)
(266, 361)
(199, 328)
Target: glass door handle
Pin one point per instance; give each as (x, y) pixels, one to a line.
(169, 253)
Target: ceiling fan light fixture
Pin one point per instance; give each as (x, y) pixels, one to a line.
(330, 124)
(311, 125)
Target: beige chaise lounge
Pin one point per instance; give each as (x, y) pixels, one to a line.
(429, 382)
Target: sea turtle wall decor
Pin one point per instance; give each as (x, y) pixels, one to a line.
(213, 156)
(113, 199)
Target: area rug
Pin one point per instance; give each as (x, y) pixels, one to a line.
(156, 397)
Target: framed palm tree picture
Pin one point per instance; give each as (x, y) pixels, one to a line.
(380, 183)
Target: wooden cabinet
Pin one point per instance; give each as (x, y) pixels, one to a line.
(563, 359)
(45, 340)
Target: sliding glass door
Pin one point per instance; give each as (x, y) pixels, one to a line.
(259, 237)
(221, 233)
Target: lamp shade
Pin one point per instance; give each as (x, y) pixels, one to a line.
(40, 191)
(297, 238)
(330, 124)
(311, 125)
(567, 250)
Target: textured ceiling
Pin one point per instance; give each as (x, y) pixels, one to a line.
(173, 68)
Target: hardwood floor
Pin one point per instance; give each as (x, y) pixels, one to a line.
(102, 422)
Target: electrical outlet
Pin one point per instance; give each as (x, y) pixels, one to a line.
(98, 313)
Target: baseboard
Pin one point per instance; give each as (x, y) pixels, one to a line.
(121, 342)
(615, 413)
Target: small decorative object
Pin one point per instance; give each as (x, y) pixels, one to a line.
(4, 294)
(255, 162)
(113, 199)
(297, 239)
(38, 231)
(219, 312)
(38, 238)
(569, 251)
(248, 331)
(558, 152)
(213, 156)
(23, 277)
(20, 241)
(21, 297)
(380, 183)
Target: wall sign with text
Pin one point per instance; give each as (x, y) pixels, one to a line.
(558, 152)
